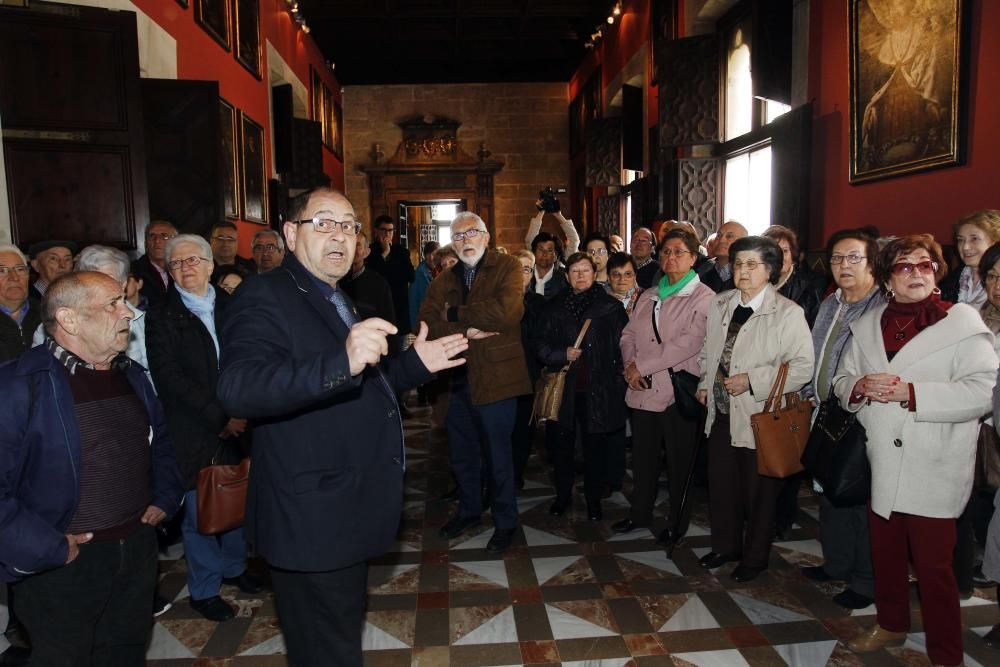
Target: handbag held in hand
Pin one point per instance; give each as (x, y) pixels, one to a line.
(780, 433)
(550, 387)
(837, 455)
(222, 497)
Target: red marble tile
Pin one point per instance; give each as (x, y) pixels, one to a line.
(533, 653)
(644, 644)
(745, 636)
(432, 600)
(434, 557)
(617, 589)
(525, 595)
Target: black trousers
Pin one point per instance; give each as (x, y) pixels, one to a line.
(653, 433)
(599, 456)
(322, 614)
(98, 609)
(738, 496)
(522, 440)
(847, 546)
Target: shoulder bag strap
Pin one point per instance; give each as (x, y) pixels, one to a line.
(579, 340)
(774, 398)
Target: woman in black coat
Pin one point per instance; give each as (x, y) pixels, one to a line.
(594, 394)
(182, 346)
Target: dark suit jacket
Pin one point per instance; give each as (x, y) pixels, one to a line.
(372, 296)
(152, 285)
(185, 369)
(555, 286)
(398, 272)
(326, 482)
(16, 340)
(709, 275)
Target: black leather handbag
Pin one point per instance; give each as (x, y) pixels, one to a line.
(837, 455)
(685, 386)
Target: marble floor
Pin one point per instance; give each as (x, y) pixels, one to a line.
(568, 592)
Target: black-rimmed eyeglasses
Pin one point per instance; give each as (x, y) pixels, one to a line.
(193, 260)
(467, 234)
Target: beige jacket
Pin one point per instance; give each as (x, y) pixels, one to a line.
(922, 462)
(776, 333)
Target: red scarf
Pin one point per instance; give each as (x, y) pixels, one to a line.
(902, 321)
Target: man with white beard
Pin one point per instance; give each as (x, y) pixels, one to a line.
(482, 298)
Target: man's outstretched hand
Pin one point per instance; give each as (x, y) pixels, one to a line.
(367, 344)
(439, 354)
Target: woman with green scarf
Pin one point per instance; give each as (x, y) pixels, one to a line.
(666, 331)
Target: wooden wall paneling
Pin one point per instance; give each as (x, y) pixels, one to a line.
(689, 101)
(791, 164)
(604, 152)
(699, 193)
(608, 215)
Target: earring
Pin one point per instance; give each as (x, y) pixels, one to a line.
(889, 294)
(936, 290)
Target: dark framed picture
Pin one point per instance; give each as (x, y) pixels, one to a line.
(253, 190)
(338, 131)
(329, 123)
(230, 160)
(247, 40)
(908, 80)
(215, 17)
(315, 94)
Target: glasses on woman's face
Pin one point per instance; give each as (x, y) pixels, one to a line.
(853, 258)
(598, 252)
(678, 253)
(906, 268)
(193, 260)
(749, 265)
(526, 270)
(622, 275)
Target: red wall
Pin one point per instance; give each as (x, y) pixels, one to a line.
(201, 57)
(927, 202)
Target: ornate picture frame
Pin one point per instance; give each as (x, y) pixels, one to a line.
(215, 18)
(247, 38)
(230, 161)
(338, 131)
(253, 171)
(908, 81)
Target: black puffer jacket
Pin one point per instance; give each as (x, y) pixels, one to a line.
(801, 287)
(602, 358)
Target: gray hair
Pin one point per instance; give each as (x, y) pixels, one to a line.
(71, 290)
(96, 257)
(268, 232)
(7, 247)
(202, 244)
(469, 215)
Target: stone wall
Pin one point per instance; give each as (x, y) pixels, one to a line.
(524, 124)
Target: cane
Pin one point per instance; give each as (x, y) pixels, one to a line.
(698, 437)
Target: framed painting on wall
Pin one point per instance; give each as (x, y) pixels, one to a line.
(316, 98)
(254, 195)
(247, 39)
(908, 80)
(329, 122)
(214, 16)
(183, 3)
(230, 161)
(338, 131)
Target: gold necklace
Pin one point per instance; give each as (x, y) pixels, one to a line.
(901, 333)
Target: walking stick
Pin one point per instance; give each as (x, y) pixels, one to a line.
(676, 528)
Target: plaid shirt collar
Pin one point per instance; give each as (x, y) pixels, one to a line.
(72, 362)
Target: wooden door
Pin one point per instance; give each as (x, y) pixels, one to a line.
(72, 125)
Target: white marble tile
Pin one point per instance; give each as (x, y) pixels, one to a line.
(546, 568)
(386, 573)
(811, 511)
(491, 570)
(618, 498)
(525, 503)
(975, 602)
(655, 559)
(983, 630)
(727, 658)
(697, 530)
(374, 638)
(567, 626)
(631, 536)
(538, 538)
(693, 615)
(808, 654)
(811, 547)
(867, 611)
(529, 484)
(273, 646)
(163, 645)
(917, 641)
(498, 630)
(174, 551)
(599, 662)
(762, 613)
(476, 541)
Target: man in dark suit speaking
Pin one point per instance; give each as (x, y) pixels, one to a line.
(326, 482)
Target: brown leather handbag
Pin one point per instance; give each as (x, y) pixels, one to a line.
(781, 433)
(550, 387)
(222, 497)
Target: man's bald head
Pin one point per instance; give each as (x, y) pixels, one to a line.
(728, 232)
(86, 313)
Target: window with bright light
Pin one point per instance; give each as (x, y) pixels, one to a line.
(739, 87)
(774, 109)
(748, 189)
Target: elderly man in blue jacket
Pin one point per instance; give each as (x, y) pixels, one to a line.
(326, 483)
(86, 472)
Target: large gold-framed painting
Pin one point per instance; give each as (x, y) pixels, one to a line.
(907, 86)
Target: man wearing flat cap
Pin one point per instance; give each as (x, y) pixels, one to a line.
(50, 259)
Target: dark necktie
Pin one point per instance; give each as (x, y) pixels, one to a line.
(470, 276)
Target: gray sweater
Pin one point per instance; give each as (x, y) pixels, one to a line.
(832, 310)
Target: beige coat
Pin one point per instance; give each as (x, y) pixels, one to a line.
(776, 333)
(922, 462)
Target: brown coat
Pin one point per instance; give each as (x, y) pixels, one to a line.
(496, 365)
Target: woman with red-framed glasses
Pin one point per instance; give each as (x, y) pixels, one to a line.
(919, 372)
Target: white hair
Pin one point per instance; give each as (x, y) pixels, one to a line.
(7, 247)
(96, 257)
(268, 232)
(203, 245)
(468, 215)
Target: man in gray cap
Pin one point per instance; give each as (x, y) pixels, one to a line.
(50, 259)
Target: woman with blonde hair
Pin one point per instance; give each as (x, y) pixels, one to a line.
(974, 234)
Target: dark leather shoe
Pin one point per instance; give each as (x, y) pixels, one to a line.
(161, 605)
(213, 608)
(594, 512)
(992, 638)
(624, 526)
(16, 656)
(559, 507)
(246, 582)
(815, 573)
(665, 539)
(979, 579)
(451, 494)
(458, 525)
(501, 540)
(849, 599)
(742, 573)
(713, 559)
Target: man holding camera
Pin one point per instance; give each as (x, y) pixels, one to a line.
(547, 203)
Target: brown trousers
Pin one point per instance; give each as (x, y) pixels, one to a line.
(653, 432)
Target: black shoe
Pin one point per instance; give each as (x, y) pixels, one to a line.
(979, 580)
(246, 582)
(742, 573)
(450, 495)
(779, 534)
(624, 526)
(213, 608)
(457, 525)
(20, 656)
(501, 540)
(815, 573)
(848, 599)
(713, 559)
(559, 507)
(665, 539)
(594, 511)
(992, 638)
(160, 605)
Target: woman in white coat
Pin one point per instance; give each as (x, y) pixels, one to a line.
(752, 331)
(919, 372)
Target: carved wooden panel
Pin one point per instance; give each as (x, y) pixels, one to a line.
(689, 92)
(604, 152)
(608, 215)
(699, 193)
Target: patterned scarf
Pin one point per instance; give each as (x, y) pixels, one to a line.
(578, 303)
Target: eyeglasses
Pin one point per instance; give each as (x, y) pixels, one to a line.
(618, 275)
(851, 259)
(598, 252)
(992, 277)
(526, 270)
(270, 247)
(641, 242)
(545, 251)
(906, 268)
(19, 269)
(468, 234)
(674, 253)
(224, 239)
(328, 225)
(160, 236)
(749, 265)
(193, 260)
